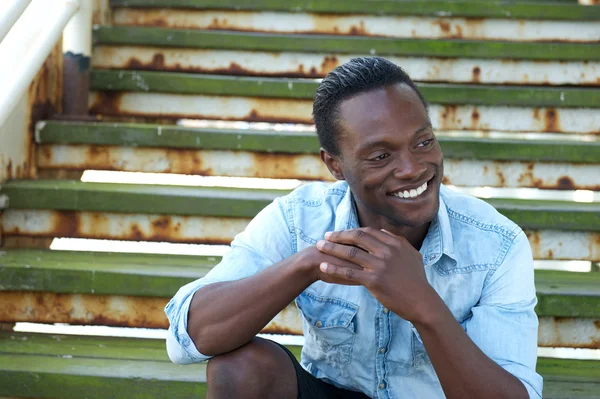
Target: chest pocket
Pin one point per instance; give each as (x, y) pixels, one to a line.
(329, 328)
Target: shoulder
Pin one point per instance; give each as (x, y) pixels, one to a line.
(318, 193)
(482, 237)
(470, 212)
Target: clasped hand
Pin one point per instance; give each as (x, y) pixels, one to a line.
(387, 265)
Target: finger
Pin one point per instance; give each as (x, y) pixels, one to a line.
(361, 237)
(345, 252)
(340, 262)
(345, 275)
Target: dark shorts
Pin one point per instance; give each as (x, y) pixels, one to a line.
(310, 387)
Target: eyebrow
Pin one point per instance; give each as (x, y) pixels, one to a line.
(384, 142)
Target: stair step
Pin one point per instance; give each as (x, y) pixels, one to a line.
(551, 10)
(311, 43)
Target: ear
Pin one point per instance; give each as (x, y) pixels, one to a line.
(333, 163)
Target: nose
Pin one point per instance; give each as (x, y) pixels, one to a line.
(408, 167)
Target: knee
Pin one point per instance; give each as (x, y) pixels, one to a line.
(246, 372)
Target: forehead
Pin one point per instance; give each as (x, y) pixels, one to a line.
(394, 110)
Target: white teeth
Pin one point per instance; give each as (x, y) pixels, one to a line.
(412, 193)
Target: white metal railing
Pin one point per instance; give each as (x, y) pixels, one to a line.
(10, 11)
(27, 44)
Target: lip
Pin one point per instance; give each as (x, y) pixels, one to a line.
(411, 187)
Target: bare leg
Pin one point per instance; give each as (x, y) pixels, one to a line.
(259, 369)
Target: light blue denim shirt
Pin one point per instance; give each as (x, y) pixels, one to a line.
(478, 261)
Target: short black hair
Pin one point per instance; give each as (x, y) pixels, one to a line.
(359, 75)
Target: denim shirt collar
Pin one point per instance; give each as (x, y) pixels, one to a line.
(438, 241)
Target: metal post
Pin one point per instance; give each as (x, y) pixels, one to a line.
(77, 48)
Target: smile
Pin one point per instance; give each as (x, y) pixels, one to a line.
(414, 193)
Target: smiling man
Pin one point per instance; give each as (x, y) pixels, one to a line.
(406, 289)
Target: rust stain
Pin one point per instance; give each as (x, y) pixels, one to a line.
(475, 118)
(88, 309)
(444, 25)
(358, 30)
(551, 121)
(329, 63)
(534, 241)
(476, 75)
(71, 224)
(446, 180)
(109, 103)
(449, 119)
(565, 183)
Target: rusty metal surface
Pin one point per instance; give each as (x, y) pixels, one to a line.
(468, 173)
(318, 65)
(569, 333)
(546, 245)
(163, 105)
(117, 311)
(193, 162)
(559, 245)
(44, 98)
(147, 312)
(101, 12)
(561, 176)
(114, 226)
(444, 117)
(362, 25)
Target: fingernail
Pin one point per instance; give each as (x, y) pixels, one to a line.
(323, 267)
(320, 244)
(328, 234)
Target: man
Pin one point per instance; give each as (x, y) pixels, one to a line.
(406, 289)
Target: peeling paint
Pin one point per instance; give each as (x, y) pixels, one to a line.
(363, 25)
(307, 65)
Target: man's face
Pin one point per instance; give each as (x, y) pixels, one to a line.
(389, 155)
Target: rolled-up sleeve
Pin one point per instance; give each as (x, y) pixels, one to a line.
(265, 241)
(504, 324)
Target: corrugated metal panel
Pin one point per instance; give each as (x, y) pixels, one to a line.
(467, 173)
(558, 245)
(318, 65)
(363, 25)
(444, 117)
(121, 311)
(569, 333)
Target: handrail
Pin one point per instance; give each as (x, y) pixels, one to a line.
(10, 11)
(27, 45)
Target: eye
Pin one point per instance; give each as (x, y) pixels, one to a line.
(425, 143)
(379, 157)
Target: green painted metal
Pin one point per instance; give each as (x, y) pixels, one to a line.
(98, 273)
(113, 197)
(304, 89)
(47, 366)
(560, 294)
(228, 202)
(551, 10)
(144, 135)
(330, 44)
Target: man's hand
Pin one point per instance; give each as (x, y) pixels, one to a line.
(392, 269)
(310, 258)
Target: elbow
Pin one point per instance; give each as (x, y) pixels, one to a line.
(179, 355)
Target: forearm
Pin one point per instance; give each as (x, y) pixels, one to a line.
(224, 316)
(463, 369)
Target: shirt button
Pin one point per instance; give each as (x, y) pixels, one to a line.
(382, 385)
(382, 350)
(319, 324)
(385, 310)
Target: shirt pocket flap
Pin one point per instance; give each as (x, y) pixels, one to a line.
(326, 312)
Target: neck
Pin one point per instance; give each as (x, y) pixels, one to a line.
(414, 235)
